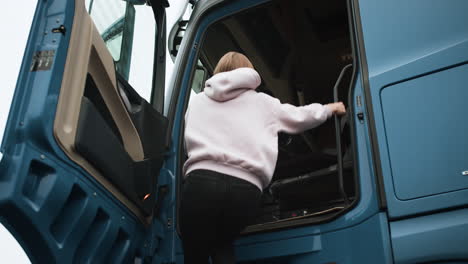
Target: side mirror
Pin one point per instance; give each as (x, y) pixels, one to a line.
(199, 78)
(175, 38)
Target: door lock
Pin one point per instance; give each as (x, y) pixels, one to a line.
(60, 29)
(360, 117)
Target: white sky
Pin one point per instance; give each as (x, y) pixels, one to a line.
(14, 29)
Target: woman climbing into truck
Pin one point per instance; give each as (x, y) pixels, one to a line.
(231, 135)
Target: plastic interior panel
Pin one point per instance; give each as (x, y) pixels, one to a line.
(98, 141)
(88, 54)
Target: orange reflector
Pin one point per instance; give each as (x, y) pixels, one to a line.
(146, 196)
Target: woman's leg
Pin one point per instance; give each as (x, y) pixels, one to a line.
(199, 212)
(224, 253)
(240, 208)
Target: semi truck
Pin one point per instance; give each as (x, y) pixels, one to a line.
(93, 148)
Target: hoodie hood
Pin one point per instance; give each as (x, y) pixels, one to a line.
(226, 86)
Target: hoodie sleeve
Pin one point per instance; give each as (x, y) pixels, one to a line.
(295, 119)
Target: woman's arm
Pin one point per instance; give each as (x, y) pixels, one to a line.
(296, 119)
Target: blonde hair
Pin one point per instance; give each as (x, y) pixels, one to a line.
(231, 61)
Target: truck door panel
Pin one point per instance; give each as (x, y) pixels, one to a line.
(80, 154)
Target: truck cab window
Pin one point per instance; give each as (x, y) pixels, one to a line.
(299, 48)
(129, 33)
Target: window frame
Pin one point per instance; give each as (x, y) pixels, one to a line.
(123, 64)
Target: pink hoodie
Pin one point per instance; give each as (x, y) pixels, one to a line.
(231, 129)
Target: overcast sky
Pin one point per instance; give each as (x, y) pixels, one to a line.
(14, 29)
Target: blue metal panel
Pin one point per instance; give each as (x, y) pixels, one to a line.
(59, 216)
(441, 237)
(425, 123)
(57, 211)
(367, 242)
(301, 240)
(162, 238)
(404, 40)
(280, 248)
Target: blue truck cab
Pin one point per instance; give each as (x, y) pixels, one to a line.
(93, 148)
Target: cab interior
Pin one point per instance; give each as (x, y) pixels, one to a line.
(299, 49)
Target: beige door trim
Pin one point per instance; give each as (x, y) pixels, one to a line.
(87, 53)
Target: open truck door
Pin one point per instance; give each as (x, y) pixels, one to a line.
(83, 150)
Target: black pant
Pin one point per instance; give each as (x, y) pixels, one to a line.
(215, 208)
